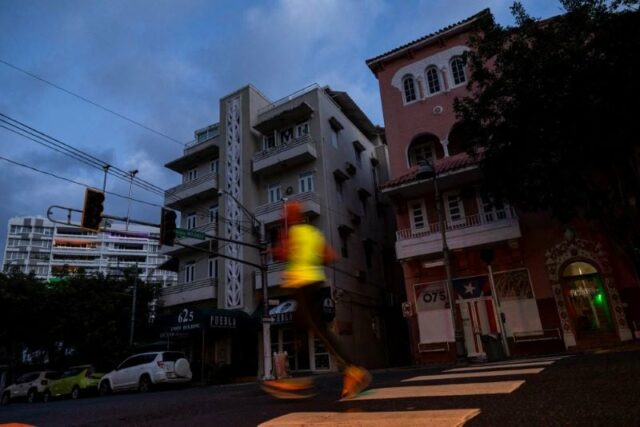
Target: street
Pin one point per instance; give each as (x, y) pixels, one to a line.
(583, 389)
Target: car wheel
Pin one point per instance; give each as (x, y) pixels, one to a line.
(46, 396)
(145, 384)
(6, 399)
(182, 368)
(75, 393)
(31, 396)
(105, 388)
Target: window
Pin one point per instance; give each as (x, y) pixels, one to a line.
(305, 182)
(208, 134)
(422, 150)
(454, 208)
(491, 210)
(334, 138)
(269, 141)
(191, 220)
(302, 129)
(213, 267)
(286, 135)
(189, 272)
(417, 215)
(358, 149)
(433, 80)
(213, 167)
(409, 87)
(191, 175)
(457, 70)
(213, 214)
(274, 193)
(344, 246)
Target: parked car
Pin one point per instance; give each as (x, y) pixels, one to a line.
(144, 370)
(29, 386)
(73, 382)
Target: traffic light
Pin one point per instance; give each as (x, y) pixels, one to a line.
(167, 227)
(92, 211)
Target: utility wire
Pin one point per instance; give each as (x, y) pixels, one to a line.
(95, 104)
(74, 182)
(48, 141)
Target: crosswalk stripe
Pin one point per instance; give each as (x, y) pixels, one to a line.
(476, 374)
(432, 418)
(512, 365)
(469, 389)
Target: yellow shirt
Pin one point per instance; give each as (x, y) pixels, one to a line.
(305, 257)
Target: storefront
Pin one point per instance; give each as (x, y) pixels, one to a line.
(217, 342)
(305, 352)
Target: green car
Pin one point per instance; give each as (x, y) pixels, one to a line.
(73, 382)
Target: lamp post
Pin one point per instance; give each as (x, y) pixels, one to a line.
(132, 175)
(259, 231)
(427, 170)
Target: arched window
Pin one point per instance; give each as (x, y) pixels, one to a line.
(422, 148)
(433, 80)
(457, 70)
(409, 86)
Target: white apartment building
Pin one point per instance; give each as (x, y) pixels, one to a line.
(317, 147)
(35, 244)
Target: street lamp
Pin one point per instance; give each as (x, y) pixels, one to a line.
(259, 231)
(132, 175)
(427, 170)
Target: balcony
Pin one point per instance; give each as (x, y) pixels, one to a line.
(272, 212)
(274, 275)
(183, 293)
(205, 186)
(300, 150)
(473, 230)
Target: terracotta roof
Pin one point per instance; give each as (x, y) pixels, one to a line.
(370, 62)
(444, 165)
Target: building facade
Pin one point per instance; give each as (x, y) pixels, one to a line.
(316, 147)
(543, 285)
(35, 244)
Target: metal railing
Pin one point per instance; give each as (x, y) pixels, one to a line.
(300, 197)
(190, 184)
(184, 287)
(288, 98)
(470, 221)
(261, 155)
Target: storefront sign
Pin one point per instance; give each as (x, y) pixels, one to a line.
(431, 296)
(188, 320)
(282, 318)
(222, 321)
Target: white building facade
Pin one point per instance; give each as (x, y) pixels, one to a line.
(35, 244)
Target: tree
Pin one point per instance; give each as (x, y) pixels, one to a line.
(553, 109)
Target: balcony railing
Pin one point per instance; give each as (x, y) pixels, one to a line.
(473, 230)
(277, 206)
(185, 287)
(300, 150)
(205, 182)
(288, 98)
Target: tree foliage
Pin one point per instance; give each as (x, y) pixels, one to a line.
(75, 320)
(553, 106)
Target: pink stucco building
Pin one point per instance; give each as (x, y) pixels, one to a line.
(542, 285)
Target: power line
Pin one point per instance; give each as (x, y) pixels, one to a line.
(95, 104)
(74, 182)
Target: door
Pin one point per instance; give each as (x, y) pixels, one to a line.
(122, 378)
(477, 319)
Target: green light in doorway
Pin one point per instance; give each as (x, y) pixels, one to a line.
(599, 298)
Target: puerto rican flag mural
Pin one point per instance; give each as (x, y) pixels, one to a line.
(472, 287)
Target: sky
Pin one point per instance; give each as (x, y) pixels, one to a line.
(165, 64)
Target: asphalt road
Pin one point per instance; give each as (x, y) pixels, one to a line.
(593, 389)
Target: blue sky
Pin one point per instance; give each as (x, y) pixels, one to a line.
(166, 64)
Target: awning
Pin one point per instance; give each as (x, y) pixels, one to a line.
(283, 312)
(287, 117)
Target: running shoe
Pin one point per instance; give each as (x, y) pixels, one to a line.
(289, 388)
(356, 379)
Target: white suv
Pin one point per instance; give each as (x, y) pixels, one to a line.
(29, 386)
(141, 371)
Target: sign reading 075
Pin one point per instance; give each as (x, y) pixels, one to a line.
(431, 296)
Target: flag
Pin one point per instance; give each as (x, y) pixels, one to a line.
(472, 287)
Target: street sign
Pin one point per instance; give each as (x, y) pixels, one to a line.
(183, 232)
